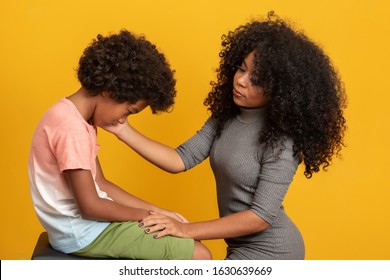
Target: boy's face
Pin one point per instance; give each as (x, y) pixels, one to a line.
(109, 112)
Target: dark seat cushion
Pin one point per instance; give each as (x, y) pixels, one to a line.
(43, 251)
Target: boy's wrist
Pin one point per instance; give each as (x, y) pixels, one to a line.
(155, 209)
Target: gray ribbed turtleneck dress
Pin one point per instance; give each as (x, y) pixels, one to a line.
(249, 177)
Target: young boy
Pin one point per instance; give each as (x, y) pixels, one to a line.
(84, 213)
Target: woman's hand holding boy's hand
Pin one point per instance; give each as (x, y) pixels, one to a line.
(163, 225)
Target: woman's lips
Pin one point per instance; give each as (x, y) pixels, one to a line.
(237, 93)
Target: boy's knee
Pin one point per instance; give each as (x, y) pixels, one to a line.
(201, 252)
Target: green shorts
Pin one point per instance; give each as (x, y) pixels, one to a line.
(126, 240)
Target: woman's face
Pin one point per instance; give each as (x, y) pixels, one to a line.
(245, 94)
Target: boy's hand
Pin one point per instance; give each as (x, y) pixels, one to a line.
(174, 215)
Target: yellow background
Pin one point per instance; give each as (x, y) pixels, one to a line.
(343, 214)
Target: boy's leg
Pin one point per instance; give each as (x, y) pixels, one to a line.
(128, 241)
(201, 252)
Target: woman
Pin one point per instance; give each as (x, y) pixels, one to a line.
(277, 102)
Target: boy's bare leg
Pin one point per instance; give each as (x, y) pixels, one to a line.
(201, 252)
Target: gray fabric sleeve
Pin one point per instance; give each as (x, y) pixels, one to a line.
(197, 148)
(276, 174)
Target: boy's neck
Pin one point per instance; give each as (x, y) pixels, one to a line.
(84, 102)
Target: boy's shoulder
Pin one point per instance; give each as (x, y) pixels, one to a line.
(62, 105)
(62, 114)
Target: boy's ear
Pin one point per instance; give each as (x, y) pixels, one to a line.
(105, 94)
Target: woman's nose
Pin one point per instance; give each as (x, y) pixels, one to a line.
(242, 79)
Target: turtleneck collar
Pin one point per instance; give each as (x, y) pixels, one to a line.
(248, 116)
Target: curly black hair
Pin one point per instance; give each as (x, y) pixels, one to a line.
(129, 68)
(306, 96)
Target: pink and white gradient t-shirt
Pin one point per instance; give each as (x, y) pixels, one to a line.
(63, 140)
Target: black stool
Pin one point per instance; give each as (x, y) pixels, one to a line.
(44, 251)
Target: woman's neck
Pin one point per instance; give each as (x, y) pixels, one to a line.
(250, 115)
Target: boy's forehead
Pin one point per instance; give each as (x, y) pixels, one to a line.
(139, 105)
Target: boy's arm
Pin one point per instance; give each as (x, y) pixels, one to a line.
(161, 155)
(125, 206)
(118, 194)
(121, 196)
(92, 207)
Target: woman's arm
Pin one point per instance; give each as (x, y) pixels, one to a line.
(277, 172)
(238, 224)
(161, 155)
(189, 154)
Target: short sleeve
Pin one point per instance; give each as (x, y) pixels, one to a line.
(73, 146)
(278, 168)
(197, 148)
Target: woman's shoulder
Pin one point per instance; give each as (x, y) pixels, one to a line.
(282, 148)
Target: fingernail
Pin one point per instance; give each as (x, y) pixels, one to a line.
(141, 224)
(147, 230)
(155, 236)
